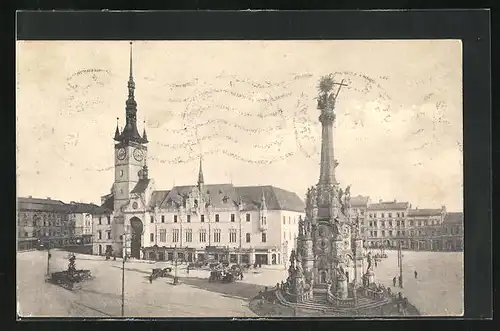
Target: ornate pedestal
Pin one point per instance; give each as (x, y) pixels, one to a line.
(370, 276)
(341, 289)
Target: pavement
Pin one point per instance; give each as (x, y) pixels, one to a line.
(438, 290)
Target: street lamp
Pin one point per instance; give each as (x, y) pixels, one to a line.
(176, 280)
(48, 258)
(123, 271)
(400, 261)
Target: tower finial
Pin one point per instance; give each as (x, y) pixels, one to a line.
(131, 75)
(200, 173)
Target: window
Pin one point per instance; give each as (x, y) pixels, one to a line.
(382, 215)
(397, 214)
(175, 218)
(109, 219)
(189, 235)
(217, 235)
(383, 233)
(151, 237)
(402, 214)
(232, 236)
(203, 235)
(284, 235)
(398, 223)
(264, 237)
(25, 233)
(362, 212)
(247, 237)
(390, 223)
(390, 215)
(175, 235)
(109, 234)
(202, 218)
(284, 220)
(248, 217)
(99, 234)
(188, 218)
(425, 223)
(217, 217)
(163, 235)
(100, 221)
(404, 233)
(374, 233)
(398, 233)
(411, 223)
(163, 218)
(289, 220)
(232, 217)
(152, 219)
(121, 237)
(390, 233)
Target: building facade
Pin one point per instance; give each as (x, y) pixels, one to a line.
(44, 222)
(391, 223)
(249, 224)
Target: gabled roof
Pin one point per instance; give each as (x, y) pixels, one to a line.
(359, 201)
(141, 186)
(78, 207)
(219, 195)
(424, 212)
(44, 205)
(454, 218)
(276, 198)
(389, 205)
(157, 198)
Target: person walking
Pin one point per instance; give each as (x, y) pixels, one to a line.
(415, 273)
(394, 281)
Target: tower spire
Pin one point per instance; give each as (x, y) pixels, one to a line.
(200, 174)
(117, 131)
(130, 132)
(144, 135)
(263, 201)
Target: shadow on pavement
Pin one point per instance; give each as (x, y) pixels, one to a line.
(239, 290)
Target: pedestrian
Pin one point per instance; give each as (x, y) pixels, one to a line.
(394, 281)
(415, 273)
(150, 279)
(375, 263)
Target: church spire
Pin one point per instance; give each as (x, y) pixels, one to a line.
(263, 204)
(144, 135)
(117, 131)
(200, 174)
(130, 132)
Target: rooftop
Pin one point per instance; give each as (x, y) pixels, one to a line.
(454, 218)
(389, 205)
(425, 212)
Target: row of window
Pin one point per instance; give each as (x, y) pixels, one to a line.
(382, 215)
(402, 223)
(289, 220)
(108, 218)
(413, 232)
(99, 234)
(202, 218)
(188, 236)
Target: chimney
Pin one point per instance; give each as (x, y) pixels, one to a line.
(380, 201)
(48, 198)
(395, 200)
(30, 196)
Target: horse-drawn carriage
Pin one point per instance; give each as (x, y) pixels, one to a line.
(158, 272)
(226, 275)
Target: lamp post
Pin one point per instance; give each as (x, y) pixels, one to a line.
(124, 257)
(48, 258)
(400, 260)
(176, 281)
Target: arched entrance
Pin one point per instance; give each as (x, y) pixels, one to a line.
(135, 240)
(322, 278)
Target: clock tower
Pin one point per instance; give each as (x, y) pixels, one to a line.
(130, 150)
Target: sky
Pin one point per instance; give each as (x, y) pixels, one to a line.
(249, 109)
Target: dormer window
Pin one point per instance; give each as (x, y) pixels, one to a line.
(224, 199)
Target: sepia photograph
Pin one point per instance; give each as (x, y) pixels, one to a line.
(238, 178)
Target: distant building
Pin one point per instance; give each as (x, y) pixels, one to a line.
(193, 222)
(41, 222)
(385, 223)
(453, 232)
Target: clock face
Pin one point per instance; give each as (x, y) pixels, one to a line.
(138, 154)
(122, 153)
